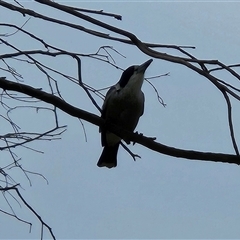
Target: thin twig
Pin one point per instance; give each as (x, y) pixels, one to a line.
(133, 155)
(230, 123)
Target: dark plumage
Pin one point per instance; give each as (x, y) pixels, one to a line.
(123, 106)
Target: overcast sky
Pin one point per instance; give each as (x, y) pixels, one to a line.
(157, 196)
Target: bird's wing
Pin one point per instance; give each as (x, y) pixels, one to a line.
(104, 110)
(143, 100)
(108, 95)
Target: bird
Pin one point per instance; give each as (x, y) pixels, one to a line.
(123, 106)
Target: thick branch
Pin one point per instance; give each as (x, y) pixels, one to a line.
(150, 52)
(49, 98)
(96, 120)
(141, 45)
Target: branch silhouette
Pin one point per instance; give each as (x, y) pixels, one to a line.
(52, 95)
(96, 120)
(199, 66)
(14, 188)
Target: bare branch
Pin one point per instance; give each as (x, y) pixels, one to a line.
(134, 156)
(30, 208)
(231, 123)
(52, 95)
(100, 12)
(94, 119)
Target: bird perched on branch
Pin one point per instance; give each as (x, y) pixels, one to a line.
(123, 106)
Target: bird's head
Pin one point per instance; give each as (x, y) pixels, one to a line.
(133, 76)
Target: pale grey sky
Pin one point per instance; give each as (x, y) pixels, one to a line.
(157, 196)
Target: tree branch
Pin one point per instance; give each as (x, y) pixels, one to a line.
(30, 208)
(134, 137)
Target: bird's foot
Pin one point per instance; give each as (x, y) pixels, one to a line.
(139, 134)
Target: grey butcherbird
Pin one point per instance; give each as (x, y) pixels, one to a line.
(123, 106)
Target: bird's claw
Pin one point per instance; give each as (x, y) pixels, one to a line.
(140, 134)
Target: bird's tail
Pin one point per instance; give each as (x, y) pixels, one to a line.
(108, 157)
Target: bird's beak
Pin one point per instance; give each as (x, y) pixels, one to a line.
(142, 68)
